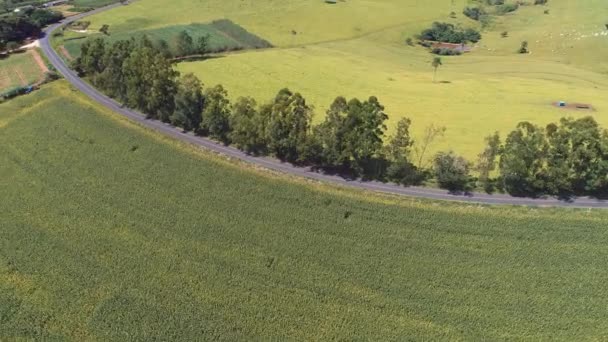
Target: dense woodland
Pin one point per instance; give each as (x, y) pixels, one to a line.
(17, 27)
(565, 159)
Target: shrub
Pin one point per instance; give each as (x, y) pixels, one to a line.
(506, 8)
(452, 172)
(474, 13)
(448, 33)
(405, 173)
(14, 92)
(472, 35)
(541, 2)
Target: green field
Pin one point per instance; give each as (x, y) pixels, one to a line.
(356, 48)
(18, 70)
(223, 35)
(112, 232)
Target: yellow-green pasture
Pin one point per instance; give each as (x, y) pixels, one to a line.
(485, 93)
(274, 20)
(356, 48)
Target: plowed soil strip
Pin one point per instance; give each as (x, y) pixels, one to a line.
(39, 61)
(66, 53)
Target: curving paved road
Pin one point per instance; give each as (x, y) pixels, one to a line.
(273, 164)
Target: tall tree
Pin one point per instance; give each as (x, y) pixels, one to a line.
(288, 126)
(247, 129)
(188, 103)
(436, 63)
(91, 59)
(401, 170)
(523, 161)
(331, 133)
(112, 79)
(216, 114)
(400, 144)
(183, 44)
(577, 159)
(202, 44)
(150, 81)
(364, 134)
(486, 161)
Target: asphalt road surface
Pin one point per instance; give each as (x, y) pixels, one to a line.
(275, 165)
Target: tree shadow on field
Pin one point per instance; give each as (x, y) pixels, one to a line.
(198, 58)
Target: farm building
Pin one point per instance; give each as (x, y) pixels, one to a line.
(462, 48)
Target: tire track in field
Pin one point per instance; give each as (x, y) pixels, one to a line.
(19, 74)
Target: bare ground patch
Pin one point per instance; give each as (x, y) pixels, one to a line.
(66, 53)
(41, 64)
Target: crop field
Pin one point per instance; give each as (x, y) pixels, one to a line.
(112, 232)
(18, 70)
(223, 35)
(356, 48)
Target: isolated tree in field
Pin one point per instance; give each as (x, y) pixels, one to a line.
(436, 63)
(289, 124)
(188, 103)
(486, 162)
(524, 47)
(247, 127)
(183, 45)
(216, 114)
(452, 172)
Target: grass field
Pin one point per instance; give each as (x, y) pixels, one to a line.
(111, 232)
(18, 70)
(223, 35)
(356, 48)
